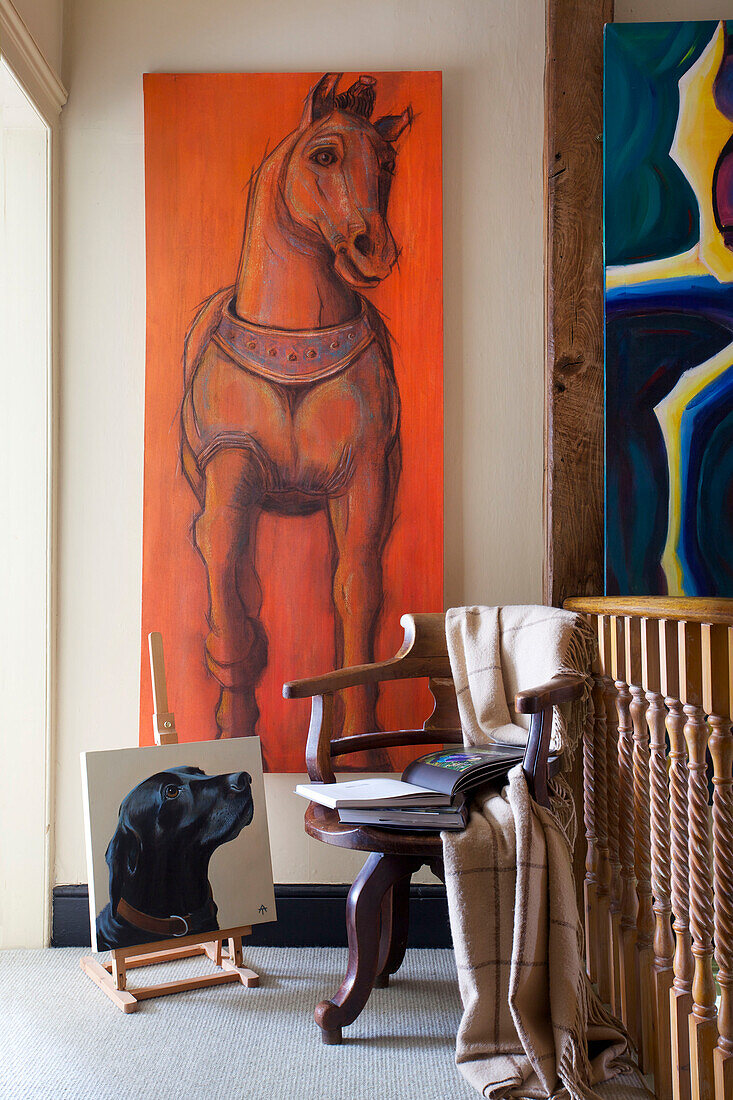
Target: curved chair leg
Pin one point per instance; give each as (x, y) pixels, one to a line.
(363, 924)
(395, 926)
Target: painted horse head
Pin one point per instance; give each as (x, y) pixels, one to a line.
(338, 176)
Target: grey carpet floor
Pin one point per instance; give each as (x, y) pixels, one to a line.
(61, 1037)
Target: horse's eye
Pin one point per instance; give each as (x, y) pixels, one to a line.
(324, 157)
(171, 791)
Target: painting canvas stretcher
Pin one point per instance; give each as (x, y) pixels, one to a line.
(292, 468)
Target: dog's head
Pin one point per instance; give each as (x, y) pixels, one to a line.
(178, 814)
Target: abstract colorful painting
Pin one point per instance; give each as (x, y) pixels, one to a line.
(293, 501)
(668, 225)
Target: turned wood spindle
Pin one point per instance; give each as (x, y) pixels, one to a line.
(683, 964)
(601, 820)
(590, 888)
(615, 888)
(717, 655)
(721, 750)
(703, 1021)
(661, 867)
(664, 942)
(629, 903)
(642, 846)
(612, 813)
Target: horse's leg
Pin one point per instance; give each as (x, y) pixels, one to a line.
(361, 520)
(236, 647)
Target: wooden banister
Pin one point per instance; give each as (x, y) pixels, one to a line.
(678, 609)
(667, 665)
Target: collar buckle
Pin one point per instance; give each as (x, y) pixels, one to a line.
(177, 935)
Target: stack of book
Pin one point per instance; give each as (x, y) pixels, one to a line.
(431, 794)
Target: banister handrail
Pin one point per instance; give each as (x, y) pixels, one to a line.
(692, 609)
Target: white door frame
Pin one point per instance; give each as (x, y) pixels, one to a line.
(48, 95)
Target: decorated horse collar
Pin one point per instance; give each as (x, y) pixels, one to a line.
(292, 357)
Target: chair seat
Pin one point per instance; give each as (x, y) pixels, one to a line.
(324, 824)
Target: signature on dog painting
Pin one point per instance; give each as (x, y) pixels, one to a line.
(291, 409)
(187, 850)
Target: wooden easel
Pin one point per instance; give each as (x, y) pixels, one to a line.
(111, 977)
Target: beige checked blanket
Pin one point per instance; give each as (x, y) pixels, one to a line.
(532, 1027)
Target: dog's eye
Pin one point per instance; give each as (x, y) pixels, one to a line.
(171, 791)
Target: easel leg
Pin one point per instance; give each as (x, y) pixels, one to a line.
(214, 951)
(101, 977)
(112, 977)
(119, 972)
(235, 963)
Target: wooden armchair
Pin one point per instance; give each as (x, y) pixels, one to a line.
(377, 908)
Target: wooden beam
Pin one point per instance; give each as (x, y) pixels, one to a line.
(573, 488)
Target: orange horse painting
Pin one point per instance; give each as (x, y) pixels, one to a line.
(291, 403)
(291, 406)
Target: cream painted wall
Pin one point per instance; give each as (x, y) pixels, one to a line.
(44, 19)
(24, 251)
(491, 53)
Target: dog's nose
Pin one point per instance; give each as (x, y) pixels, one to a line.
(239, 781)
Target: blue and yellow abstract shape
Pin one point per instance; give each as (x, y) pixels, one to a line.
(668, 240)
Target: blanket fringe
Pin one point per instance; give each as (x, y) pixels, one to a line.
(574, 1069)
(562, 805)
(567, 724)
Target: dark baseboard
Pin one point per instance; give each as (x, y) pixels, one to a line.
(308, 916)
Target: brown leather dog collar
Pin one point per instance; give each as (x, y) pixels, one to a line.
(292, 357)
(162, 926)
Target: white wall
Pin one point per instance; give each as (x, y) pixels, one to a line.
(44, 19)
(491, 53)
(24, 363)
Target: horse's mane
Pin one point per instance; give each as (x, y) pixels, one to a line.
(359, 99)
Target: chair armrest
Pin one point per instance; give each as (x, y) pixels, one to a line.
(396, 668)
(539, 702)
(560, 689)
(424, 652)
(361, 742)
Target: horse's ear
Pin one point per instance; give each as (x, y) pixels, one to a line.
(122, 856)
(320, 100)
(391, 126)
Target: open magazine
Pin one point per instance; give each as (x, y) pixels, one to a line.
(430, 795)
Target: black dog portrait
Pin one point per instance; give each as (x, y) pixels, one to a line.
(169, 827)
